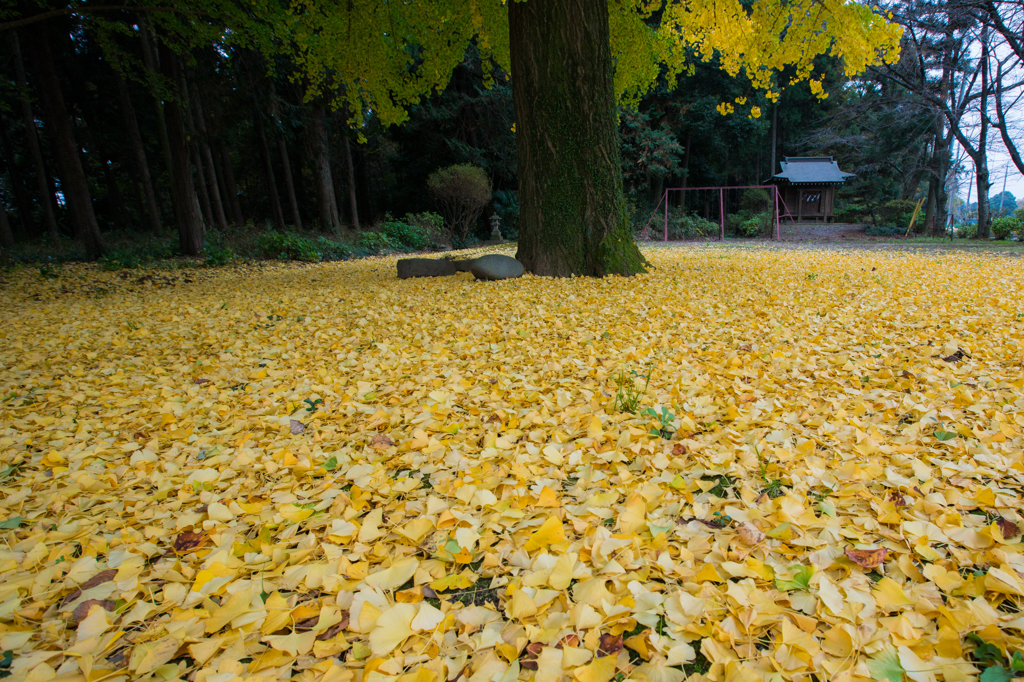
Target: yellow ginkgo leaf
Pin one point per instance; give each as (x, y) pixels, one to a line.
(393, 627)
(550, 532)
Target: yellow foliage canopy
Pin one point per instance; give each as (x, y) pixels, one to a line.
(384, 57)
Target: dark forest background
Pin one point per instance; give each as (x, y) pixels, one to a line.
(142, 115)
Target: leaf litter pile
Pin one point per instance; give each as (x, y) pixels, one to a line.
(746, 465)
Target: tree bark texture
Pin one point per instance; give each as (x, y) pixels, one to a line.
(351, 171)
(268, 167)
(211, 171)
(151, 58)
(323, 184)
(6, 236)
(21, 200)
(981, 157)
(231, 186)
(573, 218)
(193, 143)
(131, 125)
(28, 119)
(183, 192)
(74, 184)
(289, 182)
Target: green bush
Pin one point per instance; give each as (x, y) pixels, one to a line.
(897, 212)
(461, 191)
(757, 225)
(682, 226)
(968, 231)
(755, 200)
(288, 246)
(331, 250)
(120, 260)
(375, 242)
(885, 231)
(214, 254)
(1003, 228)
(406, 235)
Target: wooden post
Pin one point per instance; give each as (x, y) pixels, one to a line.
(666, 215)
(721, 213)
(777, 236)
(799, 205)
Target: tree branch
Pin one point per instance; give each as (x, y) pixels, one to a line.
(25, 21)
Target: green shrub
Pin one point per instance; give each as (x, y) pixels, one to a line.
(331, 250)
(682, 226)
(215, 254)
(897, 212)
(885, 231)
(375, 242)
(1003, 228)
(405, 235)
(967, 231)
(120, 260)
(461, 191)
(288, 246)
(757, 225)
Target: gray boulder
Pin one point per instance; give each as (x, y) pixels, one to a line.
(464, 265)
(425, 267)
(496, 266)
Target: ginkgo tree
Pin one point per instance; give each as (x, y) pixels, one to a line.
(570, 62)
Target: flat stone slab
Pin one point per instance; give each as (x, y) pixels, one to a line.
(496, 266)
(425, 267)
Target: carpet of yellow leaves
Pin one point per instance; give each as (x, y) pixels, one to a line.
(328, 474)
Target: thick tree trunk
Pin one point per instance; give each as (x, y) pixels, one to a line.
(573, 218)
(183, 192)
(983, 185)
(21, 199)
(231, 186)
(6, 236)
(131, 125)
(289, 182)
(316, 129)
(268, 167)
(981, 158)
(74, 184)
(350, 169)
(46, 197)
(193, 140)
(211, 171)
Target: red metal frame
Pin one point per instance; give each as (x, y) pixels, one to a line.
(721, 206)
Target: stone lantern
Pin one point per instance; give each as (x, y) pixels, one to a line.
(495, 231)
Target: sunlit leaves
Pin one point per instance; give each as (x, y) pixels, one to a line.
(463, 495)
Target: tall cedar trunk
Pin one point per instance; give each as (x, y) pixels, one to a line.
(981, 157)
(6, 237)
(231, 186)
(47, 199)
(151, 58)
(74, 184)
(118, 207)
(21, 199)
(573, 218)
(183, 192)
(131, 125)
(211, 171)
(322, 182)
(350, 169)
(289, 182)
(193, 143)
(268, 167)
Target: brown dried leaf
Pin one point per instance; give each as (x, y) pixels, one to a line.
(610, 645)
(82, 610)
(99, 579)
(528, 659)
(381, 441)
(296, 427)
(867, 558)
(1008, 528)
(189, 542)
(749, 534)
